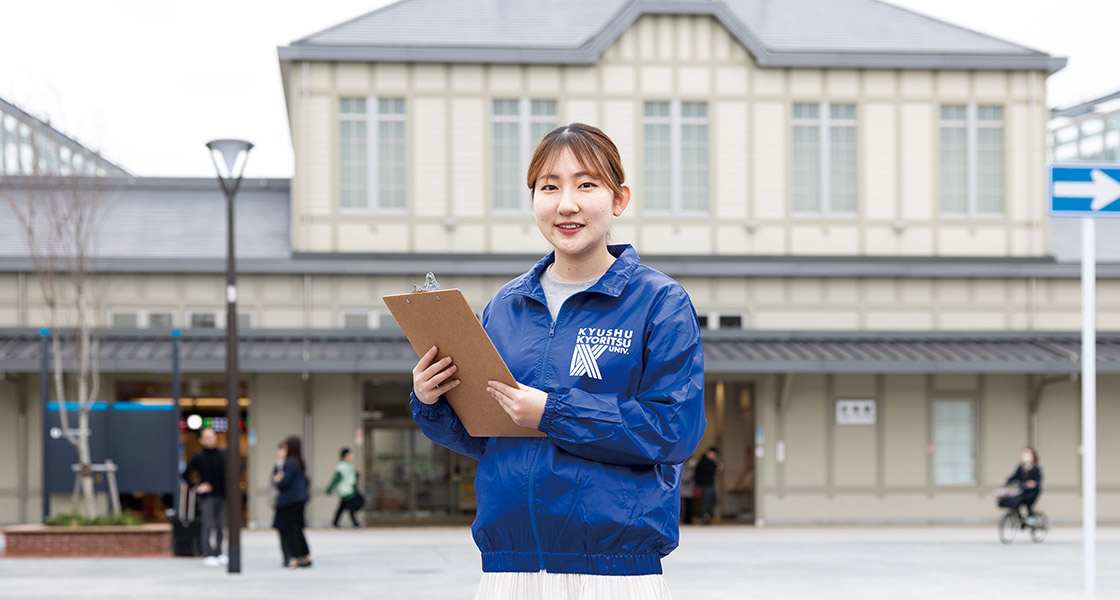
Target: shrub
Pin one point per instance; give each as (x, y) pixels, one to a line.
(76, 520)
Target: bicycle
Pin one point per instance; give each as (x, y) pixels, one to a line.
(1012, 523)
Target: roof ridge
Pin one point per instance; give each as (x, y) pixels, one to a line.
(960, 27)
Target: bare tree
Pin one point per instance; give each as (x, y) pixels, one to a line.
(58, 214)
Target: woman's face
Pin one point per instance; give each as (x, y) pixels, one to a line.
(1027, 457)
(282, 452)
(574, 209)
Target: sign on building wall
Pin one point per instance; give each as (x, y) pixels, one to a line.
(855, 412)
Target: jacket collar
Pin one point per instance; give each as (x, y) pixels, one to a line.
(611, 283)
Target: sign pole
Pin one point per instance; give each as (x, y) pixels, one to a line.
(1089, 403)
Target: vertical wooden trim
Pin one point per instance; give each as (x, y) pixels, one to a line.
(880, 435)
(978, 421)
(830, 434)
(930, 488)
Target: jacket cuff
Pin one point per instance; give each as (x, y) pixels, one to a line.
(548, 418)
(430, 412)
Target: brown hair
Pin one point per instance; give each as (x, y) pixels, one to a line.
(294, 450)
(591, 148)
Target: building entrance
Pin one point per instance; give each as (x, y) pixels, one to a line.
(407, 476)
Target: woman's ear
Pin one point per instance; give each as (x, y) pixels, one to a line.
(622, 201)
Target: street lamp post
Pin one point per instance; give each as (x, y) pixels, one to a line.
(229, 157)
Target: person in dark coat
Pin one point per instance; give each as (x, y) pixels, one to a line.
(291, 481)
(1028, 475)
(705, 478)
(209, 465)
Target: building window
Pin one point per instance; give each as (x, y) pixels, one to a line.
(971, 159)
(1095, 138)
(203, 319)
(245, 320)
(1112, 137)
(141, 318)
(675, 157)
(352, 183)
(517, 127)
(954, 442)
(824, 159)
(360, 319)
(371, 166)
(216, 319)
(124, 320)
(722, 320)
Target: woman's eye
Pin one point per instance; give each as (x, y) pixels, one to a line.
(586, 185)
(548, 187)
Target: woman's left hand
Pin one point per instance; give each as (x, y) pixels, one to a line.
(278, 477)
(524, 404)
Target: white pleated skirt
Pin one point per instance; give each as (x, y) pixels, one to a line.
(570, 586)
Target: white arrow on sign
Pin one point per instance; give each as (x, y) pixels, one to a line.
(1104, 190)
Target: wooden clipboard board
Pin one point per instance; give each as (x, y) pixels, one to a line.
(444, 319)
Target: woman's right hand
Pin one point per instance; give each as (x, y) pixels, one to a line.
(430, 380)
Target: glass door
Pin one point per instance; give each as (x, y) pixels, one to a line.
(409, 477)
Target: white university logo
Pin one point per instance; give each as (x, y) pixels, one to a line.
(591, 343)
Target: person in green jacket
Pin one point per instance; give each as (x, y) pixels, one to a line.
(345, 480)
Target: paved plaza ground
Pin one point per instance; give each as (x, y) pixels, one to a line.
(712, 563)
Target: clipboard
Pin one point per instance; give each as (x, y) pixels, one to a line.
(442, 318)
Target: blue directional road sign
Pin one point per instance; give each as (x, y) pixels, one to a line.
(1085, 190)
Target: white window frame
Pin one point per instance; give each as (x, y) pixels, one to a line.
(373, 119)
(824, 124)
(972, 125)
(524, 119)
(675, 121)
(372, 315)
(143, 315)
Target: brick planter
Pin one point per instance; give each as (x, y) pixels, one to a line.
(41, 540)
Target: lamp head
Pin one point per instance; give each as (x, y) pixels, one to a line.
(229, 157)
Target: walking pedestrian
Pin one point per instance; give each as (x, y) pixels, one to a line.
(706, 471)
(607, 356)
(209, 467)
(345, 481)
(291, 481)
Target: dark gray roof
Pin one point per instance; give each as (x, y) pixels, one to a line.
(740, 352)
(152, 219)
(778, 33)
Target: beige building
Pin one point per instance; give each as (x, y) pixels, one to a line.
(851, 193)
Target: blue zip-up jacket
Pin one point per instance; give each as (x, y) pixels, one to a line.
(624, 371)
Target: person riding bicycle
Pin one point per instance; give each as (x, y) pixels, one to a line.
(1028, 476)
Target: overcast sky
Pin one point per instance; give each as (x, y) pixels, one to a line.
(149, 82)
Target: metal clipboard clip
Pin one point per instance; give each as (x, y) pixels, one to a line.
(430, 284)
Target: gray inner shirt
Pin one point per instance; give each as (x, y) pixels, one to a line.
(556, 292)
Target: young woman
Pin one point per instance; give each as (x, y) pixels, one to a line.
(1028, 475)
(288, 475)
(609, 366)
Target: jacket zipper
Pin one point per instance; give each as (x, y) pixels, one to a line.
(536, 451)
